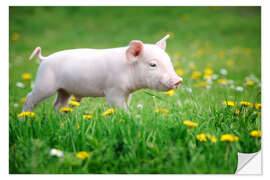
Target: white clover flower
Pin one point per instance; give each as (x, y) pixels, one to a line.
(20, 85)
(189, 90)
(223, 71)
(230, 81)
(16, 105)
(239, 88)
(139, 106)
(56, 152)
(214, 76)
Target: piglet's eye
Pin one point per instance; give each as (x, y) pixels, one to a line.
(152, 64)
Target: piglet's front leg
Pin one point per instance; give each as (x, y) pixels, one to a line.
(116, 98)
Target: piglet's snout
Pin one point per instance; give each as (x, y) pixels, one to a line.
(176, 83)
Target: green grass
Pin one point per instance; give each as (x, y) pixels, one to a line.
(145, 141)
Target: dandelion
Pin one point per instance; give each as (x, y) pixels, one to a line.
(78, 126)
(192, 67)
(169, 93)
(256, 133)
(65, 109)
(195, 75)
(121, 121)
(164, 111)
(26, 114)
(87, 117)
(201, 84)
(22, 100)
(56, 152)
(245, 103)
(190, 124)
(223, 71)
(176, 63)
(83, 155)
(15, 36)
(230, 63)
(208, 71)
(228, 138)
(140, 106)
(228, 103)
(180, 72)
(201, 137)
(258, 106)
(74, 103)
(20, 85)
(108, 112)
(239, 88)
(236, 112)
(199, 53)
(222, 81)
(26, 76)
(185, 17)
(250, 83)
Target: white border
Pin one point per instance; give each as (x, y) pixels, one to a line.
(4, 74)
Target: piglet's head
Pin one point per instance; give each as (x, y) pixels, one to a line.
(151, 66)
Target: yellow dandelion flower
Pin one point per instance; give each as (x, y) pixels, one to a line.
(228, 103)
(196, 75)
(121, 121)
(177, 56)
(65, 109)
(73, 98)
(201, 137)
(256, 133)
(26, 114)
(15, 36)
(26, 76)
(190, 124)
(108, 112)
(83, 155)
(74, 103)
(185, 17)
(78, 126)
(222, 81)
(22, 100)
(192, 67)
(236, 112)
(258, 106)
(199, 53)
(179, 72)
(230, 63)
(164, 111)
(176, 63)
(250, 83)
(229, 138)
(87, 117)
(245, 103)
(201, 84)
(171, 35)
(169, 93)
(213, 139)
(208, 71)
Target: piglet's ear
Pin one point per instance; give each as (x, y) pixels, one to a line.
(134, 50)
(162, 42)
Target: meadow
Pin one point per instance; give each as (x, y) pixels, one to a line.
(198, 128)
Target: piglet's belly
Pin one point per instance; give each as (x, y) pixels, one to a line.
(82, 89)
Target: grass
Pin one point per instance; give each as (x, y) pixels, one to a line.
(144, 142)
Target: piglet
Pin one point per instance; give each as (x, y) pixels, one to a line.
(114, 73)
